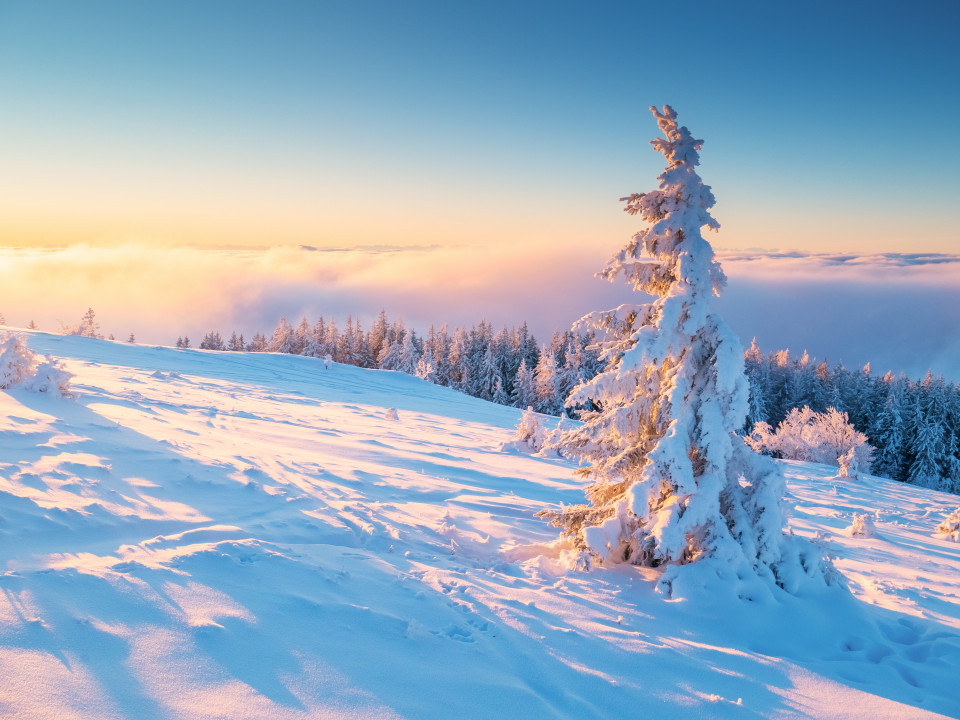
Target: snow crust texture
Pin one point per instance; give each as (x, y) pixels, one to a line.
(201, 535)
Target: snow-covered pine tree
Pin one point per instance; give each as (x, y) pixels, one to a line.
(487, 375)
(426, 367)
(347, 350)
(927, 449)
(499, 393)
(440, 345)
(821, 387)
(951, 464)
(361, 346)
(283, 339)
(390, 355)
(800, 383)
(301, 337)
(545, 384)
(673, 483)
(212, 341)
(378, 335)
(758, 377)
(409, 355)
(332, 340)
(888, 436)
(524, 395)
(458, 367)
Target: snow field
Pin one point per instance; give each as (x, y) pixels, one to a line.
(204, 535)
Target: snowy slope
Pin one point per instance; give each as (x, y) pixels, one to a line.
(204, 535)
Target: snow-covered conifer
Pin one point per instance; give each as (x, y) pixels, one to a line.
(673, 483)
(549, 401)
(390, 355)
(318, 339)
(302, 337)
(333, 340)
(347, 351)
(282, 340)
(758, 378)
(487, 375)
(440, 345)
(459, 361)
(951, 465)
(888, 436)
(524, 394)
(426, 367)
(499, 393)
(927, 451)
(212, 341)
(409, 355)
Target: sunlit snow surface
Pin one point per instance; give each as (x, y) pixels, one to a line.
(214, 535)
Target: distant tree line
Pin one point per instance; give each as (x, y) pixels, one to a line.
(913, 426)
(507, 366)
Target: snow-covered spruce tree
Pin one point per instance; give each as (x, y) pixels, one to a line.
(673, 483)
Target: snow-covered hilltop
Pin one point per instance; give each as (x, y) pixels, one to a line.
(204, 535)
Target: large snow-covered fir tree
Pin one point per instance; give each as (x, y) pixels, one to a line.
(673, 483)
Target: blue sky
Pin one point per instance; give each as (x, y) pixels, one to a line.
(826, 124)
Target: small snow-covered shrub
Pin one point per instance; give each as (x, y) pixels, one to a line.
(21, 367)
(529, 436)
(951, 525)
(809, 436)
(862, 526)
(17, 361)
(87, 327)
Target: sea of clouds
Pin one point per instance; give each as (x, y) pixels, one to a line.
(897, 311)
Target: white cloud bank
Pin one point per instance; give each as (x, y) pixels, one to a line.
(899, 312)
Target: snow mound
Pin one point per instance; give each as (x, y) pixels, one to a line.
(862, 526)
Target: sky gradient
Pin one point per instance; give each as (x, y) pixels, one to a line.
(247, 123)
(500, 134)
